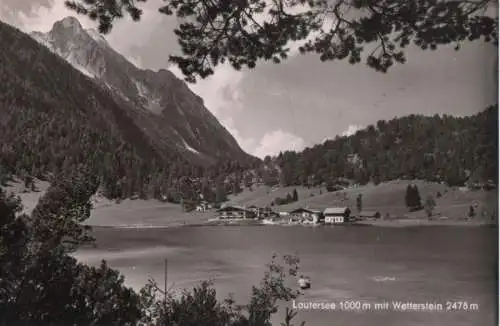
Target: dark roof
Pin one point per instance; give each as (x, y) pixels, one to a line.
(335, 210)
(232, 208)
(301, 210)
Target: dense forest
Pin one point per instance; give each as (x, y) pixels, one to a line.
(443, 148)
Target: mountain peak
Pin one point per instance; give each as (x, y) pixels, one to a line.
(162, 104)
(68, 24)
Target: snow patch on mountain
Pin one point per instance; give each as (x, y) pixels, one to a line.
(189, 147)
(71, 59)
(184, 144)
(151, 101)
(141, 89)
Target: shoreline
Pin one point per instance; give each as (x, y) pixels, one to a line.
(424, 222)
(397, 223)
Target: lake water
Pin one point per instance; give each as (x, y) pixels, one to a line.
(368, 264)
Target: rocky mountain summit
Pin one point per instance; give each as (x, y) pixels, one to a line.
(162, 105)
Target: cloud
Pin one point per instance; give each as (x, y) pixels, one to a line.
(10, 10)
(223, 95)
(221, 92)
(43, 17)
(351, 130)
(248, 144)
(276, 141)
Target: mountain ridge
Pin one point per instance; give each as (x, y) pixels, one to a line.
(57, 122)
(163, 105)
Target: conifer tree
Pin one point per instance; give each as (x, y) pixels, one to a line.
(429, 205)
(412, 198)
(359, 203)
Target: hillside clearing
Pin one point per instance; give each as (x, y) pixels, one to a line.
(386, 198)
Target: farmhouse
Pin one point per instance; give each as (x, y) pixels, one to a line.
(253, 208)
(262, 212)
(336, 215)
(267, 212)
(304, 214)
(235, 212)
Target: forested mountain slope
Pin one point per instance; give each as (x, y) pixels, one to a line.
(438, 148)
(55, 120)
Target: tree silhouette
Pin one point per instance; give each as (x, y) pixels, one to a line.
(429, 205)
(359, 203)
(40, 283)
(472, 212)
(220, 191)
(213, 32)
(412, 198)
(408, 196)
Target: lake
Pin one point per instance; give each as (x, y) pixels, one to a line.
(415, 265)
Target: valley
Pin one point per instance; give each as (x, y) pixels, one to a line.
(128, 199)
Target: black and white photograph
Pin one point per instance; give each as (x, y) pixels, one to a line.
(249, 162)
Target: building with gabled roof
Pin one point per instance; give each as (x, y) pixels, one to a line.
(336, 215)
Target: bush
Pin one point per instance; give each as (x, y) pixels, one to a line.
(333, 188)
(201, 307)
(283, 201)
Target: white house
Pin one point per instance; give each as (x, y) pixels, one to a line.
(306, 215)
(334, 219)
(336, 215)
(203, 207)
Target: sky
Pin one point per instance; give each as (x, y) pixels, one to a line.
(302, 101)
